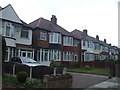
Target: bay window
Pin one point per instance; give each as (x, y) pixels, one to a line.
(55, 38)
(68, 56)
(68, 41)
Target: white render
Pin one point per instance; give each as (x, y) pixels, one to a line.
(8, 13)
(10, 42)
(26, 41)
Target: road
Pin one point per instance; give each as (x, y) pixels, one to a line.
(81, 80)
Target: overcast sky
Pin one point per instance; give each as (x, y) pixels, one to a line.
(100, 17)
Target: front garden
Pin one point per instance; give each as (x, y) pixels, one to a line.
(89, 70)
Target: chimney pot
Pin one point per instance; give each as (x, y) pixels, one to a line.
(85, 31)
(54, 19)
(97, 37)
(105, 40)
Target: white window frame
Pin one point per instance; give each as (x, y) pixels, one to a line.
(43, 35)
(55, 38)
(67, 56)
(68, 41)
(11, 29)
(25, 30)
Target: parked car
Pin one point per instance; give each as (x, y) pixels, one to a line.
(25, 61)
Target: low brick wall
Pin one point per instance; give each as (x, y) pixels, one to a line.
(58, 81)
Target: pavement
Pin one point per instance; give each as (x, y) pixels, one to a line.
(113, 83)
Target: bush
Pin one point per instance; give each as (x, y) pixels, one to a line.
(22, 76)
(117, 61)
(87, 67)
(52, 63)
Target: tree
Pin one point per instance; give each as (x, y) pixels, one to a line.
(3, 48)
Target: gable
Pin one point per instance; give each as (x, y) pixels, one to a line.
(8, 13)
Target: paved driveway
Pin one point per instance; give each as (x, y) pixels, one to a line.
(81, 80)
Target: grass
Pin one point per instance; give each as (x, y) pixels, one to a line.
(97, 71)
(13, 80)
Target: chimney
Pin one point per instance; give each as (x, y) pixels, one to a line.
(97, 37)
(54, 19)
(85, 32)
(104, 40)
(110, 44)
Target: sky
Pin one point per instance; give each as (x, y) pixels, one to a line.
(99, 17)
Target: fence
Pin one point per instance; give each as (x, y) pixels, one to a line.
(37, 72)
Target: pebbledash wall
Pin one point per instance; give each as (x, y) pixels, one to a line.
(44, 40)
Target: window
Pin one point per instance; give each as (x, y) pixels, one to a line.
(75, 57)
(9, 53)
(24, 33)
(68, 56)
(75, 43)
(48, 55)
(68, 41)
(9, 31)
(83, 42)
(55, 38)
(42, 35)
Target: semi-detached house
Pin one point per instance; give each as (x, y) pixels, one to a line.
(44, 40)
(18, 34)
(52, 42)
(93, 48)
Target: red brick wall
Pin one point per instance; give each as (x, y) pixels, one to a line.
(39, 43)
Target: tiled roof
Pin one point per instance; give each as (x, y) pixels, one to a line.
(79, 34)
(48, 25)
(25, 24)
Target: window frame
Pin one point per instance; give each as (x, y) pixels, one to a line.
(43, 35)
(23, 31)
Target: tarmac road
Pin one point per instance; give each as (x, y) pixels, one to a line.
(81, 80)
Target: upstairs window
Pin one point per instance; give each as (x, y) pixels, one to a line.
(42, 35)
(9, 30)
(24, 33)
(55, 38)
(76, 43)
(83, 42)
(68, 41)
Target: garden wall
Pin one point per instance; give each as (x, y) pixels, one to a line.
(58, 81)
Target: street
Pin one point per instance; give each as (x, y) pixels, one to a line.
(81, 80)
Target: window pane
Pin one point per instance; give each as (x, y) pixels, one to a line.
(42, 36)
(8, 30)
(24, 33)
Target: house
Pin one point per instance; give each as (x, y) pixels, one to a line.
(52, 42)
(93, 49)
(18, 35)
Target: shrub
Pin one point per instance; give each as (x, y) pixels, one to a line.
(117, 61)
(22, 76)
(52, 63)
(87, 67)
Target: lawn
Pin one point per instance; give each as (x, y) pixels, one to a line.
(13, 80)
(97, 71)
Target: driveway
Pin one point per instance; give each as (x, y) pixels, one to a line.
(81, 80)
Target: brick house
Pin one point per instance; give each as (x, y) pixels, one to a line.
(52, 42)
(18, 35)
(93, 49)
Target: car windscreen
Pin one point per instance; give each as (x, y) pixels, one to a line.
(27, 60)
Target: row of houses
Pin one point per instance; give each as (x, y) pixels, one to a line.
(44, 40)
